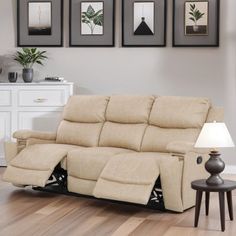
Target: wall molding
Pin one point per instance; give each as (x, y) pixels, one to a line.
(230, 169)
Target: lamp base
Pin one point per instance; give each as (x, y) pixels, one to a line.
(214, 166)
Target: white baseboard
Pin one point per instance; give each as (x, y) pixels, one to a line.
(230, 169)
(2, 161)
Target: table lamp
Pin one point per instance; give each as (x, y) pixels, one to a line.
(214, 135)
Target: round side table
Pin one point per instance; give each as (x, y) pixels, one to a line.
(200, 186)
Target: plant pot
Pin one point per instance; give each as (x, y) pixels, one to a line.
(195, 28)
(28, 75)
(12, 77)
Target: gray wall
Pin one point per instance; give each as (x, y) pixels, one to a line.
(209, 72)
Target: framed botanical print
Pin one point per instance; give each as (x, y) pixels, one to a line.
(143, 23)
(92, 23)
(196, 23)
(39, 23)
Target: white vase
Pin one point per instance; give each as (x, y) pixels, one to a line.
(195, 28)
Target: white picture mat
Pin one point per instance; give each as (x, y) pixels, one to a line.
(85, 30)
(144, 9)
(40, 14)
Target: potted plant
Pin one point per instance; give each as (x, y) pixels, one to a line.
(27, 58)
(196, 15)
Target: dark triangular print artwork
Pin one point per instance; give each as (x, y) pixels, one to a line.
(143, 28)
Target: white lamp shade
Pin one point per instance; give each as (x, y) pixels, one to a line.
(214, 135)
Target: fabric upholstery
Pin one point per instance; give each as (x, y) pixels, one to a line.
(129, 109)
(82, 134)
(179, 112)
(25, 134)
(35, 164)
(122, 192)
(156, 139)
(122, 135)
(215, 114)
(180, 147)
(127, 177)
(192, 171)
(86, 109)
(81, 186)
(22, 177)
(88, 163)
(171, 182)
(47, 156)
(32, 141)
(11, 151)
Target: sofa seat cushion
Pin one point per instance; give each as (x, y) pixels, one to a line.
(88, 163)
(35, 164)
(129, 177)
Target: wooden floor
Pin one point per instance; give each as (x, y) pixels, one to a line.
(27, 213)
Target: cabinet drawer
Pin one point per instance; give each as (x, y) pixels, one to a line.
(43, 98)
(5, 98)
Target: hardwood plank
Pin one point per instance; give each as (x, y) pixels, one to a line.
(31, 213)
(128, 226)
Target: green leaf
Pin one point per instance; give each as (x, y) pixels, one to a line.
(39, 62)
(90, 11)
(33, 50)
(97, 13)
(191, 18)
(85, 21)
(98, 20)
(192, 6)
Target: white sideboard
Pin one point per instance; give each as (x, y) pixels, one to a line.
(36, 106)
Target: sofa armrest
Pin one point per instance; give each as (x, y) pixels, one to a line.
(33, 141)
(26, 134)
(182, 148)
(193, 169)
(30, 137)
(194, 160)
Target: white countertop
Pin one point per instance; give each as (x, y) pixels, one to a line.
(35, 83)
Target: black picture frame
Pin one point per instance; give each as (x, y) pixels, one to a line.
(131, 40)
(107, 39)
(55, 39)
(212, 39)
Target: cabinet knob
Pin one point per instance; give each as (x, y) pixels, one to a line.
(40, 100)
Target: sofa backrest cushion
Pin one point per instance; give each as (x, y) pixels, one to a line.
(215, 114)
(122, 135)
(82, 134)
(179, 112)
(83, 119)
(129, 109)
(156, 139)
(126, 121)
(86, 109)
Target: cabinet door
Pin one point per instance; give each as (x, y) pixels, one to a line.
(39, 120)
(5, 132)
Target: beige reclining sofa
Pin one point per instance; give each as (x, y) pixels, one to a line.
(136, 149)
